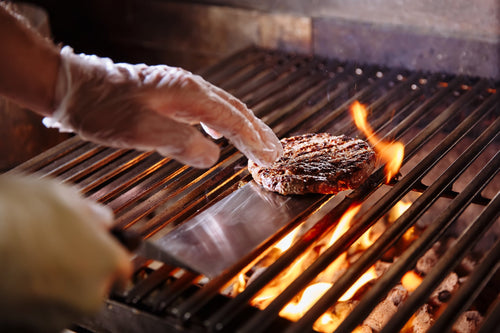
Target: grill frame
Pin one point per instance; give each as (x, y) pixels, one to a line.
(296, 86)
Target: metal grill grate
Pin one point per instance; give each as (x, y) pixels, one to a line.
(449, 126)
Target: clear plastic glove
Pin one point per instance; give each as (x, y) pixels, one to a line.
(58, 260)
(154, 108)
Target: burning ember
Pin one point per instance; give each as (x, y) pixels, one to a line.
(391, 153)
(411, 281)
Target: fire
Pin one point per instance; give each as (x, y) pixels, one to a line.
(370, 274)
(269, 293)
(240, 285)
(399, 208)
(303, 302)
(285, 243)
(295, 310)
(392, 153)
(344, 223)
(411, 281)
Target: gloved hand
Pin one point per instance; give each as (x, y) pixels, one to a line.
(154, 108)
(58, 260)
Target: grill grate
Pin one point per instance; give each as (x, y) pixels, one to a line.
(449, 125)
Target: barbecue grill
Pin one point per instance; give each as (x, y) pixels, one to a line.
(449, 125)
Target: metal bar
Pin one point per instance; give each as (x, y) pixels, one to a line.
(185, 201)
(144, 287)
(469, 291)
(274, 87)
(402, 106)
(129, 177)
(294, 93)
(70, 160)
(450, 194)
(50, 155)
(445, 264)
(112, 170)
(492, 321)
(92, 164)
(360, 95)
(220, 71)
(171, 292)
(324, 100)
(262, 86)
(152, 183)
(425, 107)
(180, 181)
(273, 63)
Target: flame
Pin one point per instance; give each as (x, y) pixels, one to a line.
(344, 223)
(240, 284)
(269, 293)
(285, 243)
(411, 281)
(392, 153)
(331, 273)
(396, 211)
(399, 208)
(327, 323)
(295, 310)
(366, 240)
(369, 275)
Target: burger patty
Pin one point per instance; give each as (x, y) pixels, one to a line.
(317, 163)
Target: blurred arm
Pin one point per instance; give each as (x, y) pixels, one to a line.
(28, 64)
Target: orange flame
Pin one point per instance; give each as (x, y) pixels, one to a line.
(295, 310)
(285, 243)
(392, 153)
(399, 208)
(344, 223)
(369, 275)
(240, 284)
(411, 281)
(272, 290)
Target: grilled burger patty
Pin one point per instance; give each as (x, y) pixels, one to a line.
(317, 163)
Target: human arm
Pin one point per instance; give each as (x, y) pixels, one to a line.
(127, 106)
(28, 64)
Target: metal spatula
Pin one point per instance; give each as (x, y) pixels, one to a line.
(218, 237)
